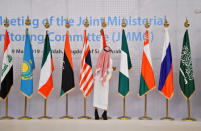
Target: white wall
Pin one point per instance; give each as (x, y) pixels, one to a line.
(175, 10)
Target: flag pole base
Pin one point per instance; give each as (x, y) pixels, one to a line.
(6, 118)
(167, 118)
(25, 118)
(109, 118)
(124, 118)
(145, 118)
(44, 117)
(84, 117)
(188, 119)
(66, 117)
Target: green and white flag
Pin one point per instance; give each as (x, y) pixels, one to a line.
(186, 79)
(125, 65)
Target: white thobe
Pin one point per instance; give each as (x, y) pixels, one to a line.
(101, 91)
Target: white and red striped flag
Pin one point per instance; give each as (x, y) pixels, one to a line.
(86, 75)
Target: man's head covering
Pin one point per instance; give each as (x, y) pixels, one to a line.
(103, 62)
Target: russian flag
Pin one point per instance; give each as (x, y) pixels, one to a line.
(166, 72)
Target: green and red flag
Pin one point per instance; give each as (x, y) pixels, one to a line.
(147, 82)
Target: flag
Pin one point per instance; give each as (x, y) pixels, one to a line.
(67, 83)
(28, 66)
(147, 82)
(86, 75)
(103, 37)
(7, 69)
(125, 65)
(166, 73)
(186, 79)
(47, 68)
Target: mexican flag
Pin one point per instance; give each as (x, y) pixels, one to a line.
(47, 68)
(186, 79)
(147, 82)
(125, 65)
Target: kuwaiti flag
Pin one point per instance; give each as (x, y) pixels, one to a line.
(166, 73)
(47, 68)
(67, 83)
(7, 69)
(147, 82)
(125, 65)
(28, 66)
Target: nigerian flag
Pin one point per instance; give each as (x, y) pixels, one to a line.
(186, 79)
(125, 65)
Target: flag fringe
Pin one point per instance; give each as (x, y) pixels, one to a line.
(165, 95)
(29, 97)
(7, 94)
(45, 96)
(67, 92)
(146, 92)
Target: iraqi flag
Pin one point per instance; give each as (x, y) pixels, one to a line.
(7, 69)
(147, 82)
(47, 68)
(166, 73)
(67, 83)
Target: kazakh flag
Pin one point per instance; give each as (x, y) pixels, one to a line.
(125, 65)
(27, 68)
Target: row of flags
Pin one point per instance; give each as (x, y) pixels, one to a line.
(147, 80)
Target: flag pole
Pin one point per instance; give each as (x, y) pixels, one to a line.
(86, 24)
(166, 24)
(186, 24)
(189, 113)
(124, 117)
(6, 117)
(47, 25)
(145, 117)
(25, 117)
(167, 117)
(66, 116)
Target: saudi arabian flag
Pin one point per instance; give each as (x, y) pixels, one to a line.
(186, 79)
(125, 65)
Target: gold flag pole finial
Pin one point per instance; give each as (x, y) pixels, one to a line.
(104, 23)
(6, 24)
(67, 24)
(123, 24)
(86, 24)
(27, 22)
(166, 24)
(47, 25)
(147, 25)
(186, 24)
